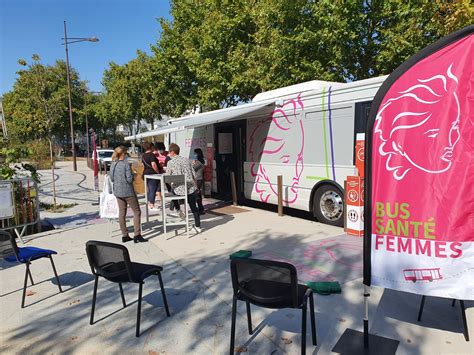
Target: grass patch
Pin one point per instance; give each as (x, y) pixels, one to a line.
(60, 207)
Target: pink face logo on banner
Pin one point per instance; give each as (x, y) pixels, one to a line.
(283, 122)
(413, 138)
(421, 178)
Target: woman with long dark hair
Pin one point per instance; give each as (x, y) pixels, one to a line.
(198, 165)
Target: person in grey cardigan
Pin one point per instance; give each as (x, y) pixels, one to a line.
(122, 179)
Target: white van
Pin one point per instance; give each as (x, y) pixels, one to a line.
(305, 132)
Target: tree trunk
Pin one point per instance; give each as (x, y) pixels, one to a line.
(52, 171)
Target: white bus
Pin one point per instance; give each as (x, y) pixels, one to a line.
(305, 132)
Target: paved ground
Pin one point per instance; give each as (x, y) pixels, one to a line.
(197, 282)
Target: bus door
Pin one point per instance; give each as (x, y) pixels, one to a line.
(229, 156)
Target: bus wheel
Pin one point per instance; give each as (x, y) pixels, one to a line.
(328, 205)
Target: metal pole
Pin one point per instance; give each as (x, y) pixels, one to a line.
(366, 315)
(280, 194)
(87, 135)
(234, 188)
(74, 164)
(52, 171)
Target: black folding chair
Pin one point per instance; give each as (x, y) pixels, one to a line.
(463, 315)
(270, 284)
(112, 262)
(10, 252)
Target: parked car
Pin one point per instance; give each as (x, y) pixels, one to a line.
(104, 156)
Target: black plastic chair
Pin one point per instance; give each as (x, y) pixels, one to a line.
(270, 284)
(10, 252)
(463, 315)
(112, 262)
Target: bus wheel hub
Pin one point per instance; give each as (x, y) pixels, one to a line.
(331, 205)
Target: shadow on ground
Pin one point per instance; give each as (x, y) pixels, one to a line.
(199, 293)
(335, 258)
(154, 228)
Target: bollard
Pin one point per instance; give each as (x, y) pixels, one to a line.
(234, 188)
(344, 206)
(280, 194)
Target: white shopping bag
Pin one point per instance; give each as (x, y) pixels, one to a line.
(108, 202)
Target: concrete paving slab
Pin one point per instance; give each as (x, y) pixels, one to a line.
(197, 281)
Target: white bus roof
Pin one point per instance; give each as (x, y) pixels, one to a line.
(294, 89)
(313, 87)
(261, 102)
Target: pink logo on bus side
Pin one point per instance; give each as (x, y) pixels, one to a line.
(282, 122)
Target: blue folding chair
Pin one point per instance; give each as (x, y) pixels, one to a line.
(10, 252)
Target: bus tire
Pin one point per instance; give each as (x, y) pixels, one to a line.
(328, 205)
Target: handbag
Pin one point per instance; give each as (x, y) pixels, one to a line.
(108, 206)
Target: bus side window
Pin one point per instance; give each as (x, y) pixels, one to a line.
(361, 114)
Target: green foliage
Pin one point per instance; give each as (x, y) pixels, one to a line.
(134, 91)
(39, 154)
(37, 107)
(218, 53)
(10, 162)
(13, 155)
(56, 208)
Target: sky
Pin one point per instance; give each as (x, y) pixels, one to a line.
(36, 27)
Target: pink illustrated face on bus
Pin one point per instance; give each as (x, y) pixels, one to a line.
(282, 123)
(416, 139)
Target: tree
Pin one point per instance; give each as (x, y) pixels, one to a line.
(217, 53)
(135, 91)
(142, 76)
(37, 107)
(120, 102)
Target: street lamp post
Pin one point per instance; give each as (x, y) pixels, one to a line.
(87, 134)
(66, 42)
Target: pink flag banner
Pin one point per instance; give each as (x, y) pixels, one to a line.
(96, 163)
(420, 174)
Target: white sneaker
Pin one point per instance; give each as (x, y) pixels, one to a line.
(198, 229)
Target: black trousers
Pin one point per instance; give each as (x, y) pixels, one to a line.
(199, 193)
(152, 187)
(192, 202)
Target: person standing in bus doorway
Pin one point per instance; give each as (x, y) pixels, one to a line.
(179, 165)
(198, 165)
(122, 178)
(151, 166)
